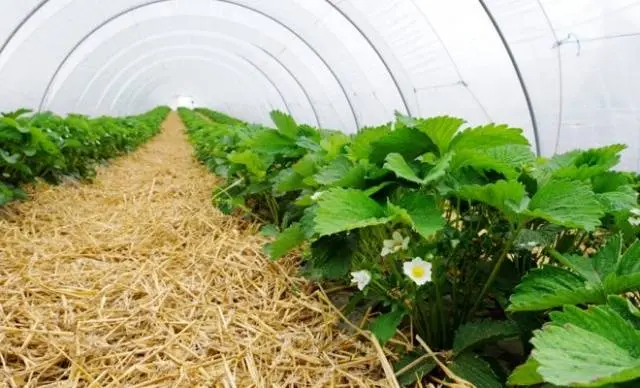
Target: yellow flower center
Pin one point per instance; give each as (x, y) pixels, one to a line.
(417, 272)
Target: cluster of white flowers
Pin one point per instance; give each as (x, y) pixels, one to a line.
(635, 217)
(396, 244)
(417, 270)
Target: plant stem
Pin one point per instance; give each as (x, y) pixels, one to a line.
(443, 323)
(496, 270)
(559, 257)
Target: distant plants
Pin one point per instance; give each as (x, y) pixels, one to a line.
(516, 269)
(46, 146)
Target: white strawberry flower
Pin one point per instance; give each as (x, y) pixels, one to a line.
(396, 244)
(361, 278)
(317, 195)
(418, 270)
(635, 216)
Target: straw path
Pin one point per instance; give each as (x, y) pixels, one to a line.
(136, 280)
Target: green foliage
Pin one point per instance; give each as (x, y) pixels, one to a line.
(587, 348)
(566, 203)
(473, 334)
(460, 235)
(476, 371)
(420, 211)
(583, 280)
(46, 146)
(340, 210)
(286, 241)
(385, 326)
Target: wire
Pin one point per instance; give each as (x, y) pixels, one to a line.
(523, 86)
(456, 68)
(560, 76)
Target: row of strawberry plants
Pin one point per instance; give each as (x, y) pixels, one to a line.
(517, 269)
(46, 146)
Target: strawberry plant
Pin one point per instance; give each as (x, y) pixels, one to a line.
(459, 235)
(46, 146)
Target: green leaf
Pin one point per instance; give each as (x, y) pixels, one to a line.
(625, 309)
(334, 144)
(623, 199)
(610, 181)
(254, 164)
(439, 169)
(570, 204)
(610, 271)
(512, 155)
(375, 189)
(587, 348)
(550, 287)
(385, 325)
(308, 143)
(306, 166)
(477, 333)
(342, 173)
(488, 136)
(629, 262)
(340, 210)
(273, 143)
(526, 374)
(475, 370)
(416, 372)
(480, 161)
(605, 261)
(331, 257)
(269, 230)
(440, 130)
(362, 144)
(498, 195)
(285, 123)
(288, 180)
(286, 241)
(419, 211)
(10, 159)
(396, 163)
(408, 142)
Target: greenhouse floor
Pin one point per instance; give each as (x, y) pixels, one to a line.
(137, 280)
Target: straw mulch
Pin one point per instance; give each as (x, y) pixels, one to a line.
(137, 281)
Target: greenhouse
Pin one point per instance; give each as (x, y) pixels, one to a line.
(319, 193)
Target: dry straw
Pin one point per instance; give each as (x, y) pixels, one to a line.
(137, 281)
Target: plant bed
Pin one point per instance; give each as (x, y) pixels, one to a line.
(512, 268)
(49, 147)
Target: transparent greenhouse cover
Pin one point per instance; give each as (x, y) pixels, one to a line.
(566, 71)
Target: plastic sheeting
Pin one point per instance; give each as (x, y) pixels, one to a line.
(562, 70)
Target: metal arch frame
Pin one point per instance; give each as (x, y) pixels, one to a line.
(297, 35)
(260, 49)
(514, 63)
(129, 97)
(378, 54)
(163, 61)
(211, 50)
(21, 24)
(153, 2)
(47, 90)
